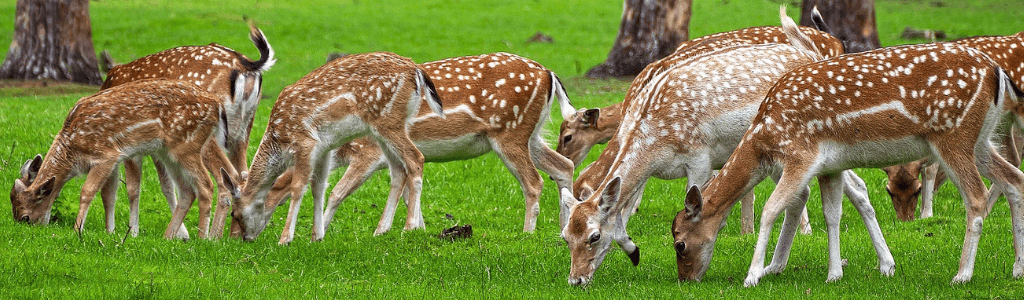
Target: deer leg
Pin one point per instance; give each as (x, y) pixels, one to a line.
(204, 189)
(747, 214)
(98, 176)
(519, 162)
(780, 257)
(928, 189)
(788, 189)
(358, 171)
(964, 174)
(396, 169)
(1010, 180)
(856, 190)
(560, 170)
(301, 173)
(396, 141)
(133, 185)
(318, 184)
(187, 195)
(108, 193)
(831, 187)
(169, 186)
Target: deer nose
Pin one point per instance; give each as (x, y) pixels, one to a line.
(24, 218)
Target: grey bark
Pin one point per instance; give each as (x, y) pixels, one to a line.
(650, 30)
(52, 40)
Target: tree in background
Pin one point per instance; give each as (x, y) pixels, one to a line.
(52, 40)
(650, 30)
(852, 21)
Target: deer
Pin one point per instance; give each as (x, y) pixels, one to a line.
(495, 102)
(686, 122)
(229, 75)
(904, 188)
(871, 109)
(587, 127)
(372, 94)
(177, 125)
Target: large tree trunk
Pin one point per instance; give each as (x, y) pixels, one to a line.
(852, 21)
(650, 30)
(52, 40)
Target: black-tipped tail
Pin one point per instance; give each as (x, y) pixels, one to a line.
(266, 51)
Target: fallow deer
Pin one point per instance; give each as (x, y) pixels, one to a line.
(231, 77)
(686, 122)
(174, 126)
(349, 97)
(871, 109)
(495, 102)
(1008, 53)
(587, 127)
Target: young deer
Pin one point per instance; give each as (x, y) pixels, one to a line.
(870, 109)
(587, 127)
(347, 98)
(1008, 53)
(686, 122)
(230, 76)
(496, 102)
(173, 125)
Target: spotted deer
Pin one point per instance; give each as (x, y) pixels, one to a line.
(176, 124)
(686, 122)
(230, 76)
(372, 94)
(1008, 53)
(587, 127)
(495, 102)
(871, 109)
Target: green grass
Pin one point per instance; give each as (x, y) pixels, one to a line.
(499, 261)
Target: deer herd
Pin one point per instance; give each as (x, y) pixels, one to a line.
(779, 102)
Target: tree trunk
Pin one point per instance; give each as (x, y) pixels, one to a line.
(650, 30)
(52, 40)
(852, 21)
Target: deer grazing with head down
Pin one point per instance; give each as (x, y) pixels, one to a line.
(587, 127)
(686, 122)
(176, 125)
(231, 77)
(904, 185)
(871, 109)
(366, 94)
(495, 102)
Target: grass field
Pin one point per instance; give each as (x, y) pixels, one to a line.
(500, 261)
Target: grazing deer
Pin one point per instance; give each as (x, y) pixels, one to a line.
(496, 102)
(346, 98)
(686, 122)
(231, 77)
(176, 125)
(870, 109)
(1008, 53)
(587, 127)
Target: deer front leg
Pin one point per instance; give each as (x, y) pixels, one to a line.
(322, 169)
(168, 186)
(747, 214)
(108, 193)
(519, 162)
(831, 187)
(785, 192)
(133, 185)
(560, 170)
(98, 177)
(187, 195)
(780, 258)
(855, 189)
(301, 173)
(358, 171)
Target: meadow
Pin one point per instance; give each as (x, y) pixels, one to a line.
(499, 261)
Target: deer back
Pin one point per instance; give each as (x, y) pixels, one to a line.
(1006, 51)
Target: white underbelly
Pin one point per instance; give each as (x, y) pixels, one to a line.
(871, 154)
(459, 148)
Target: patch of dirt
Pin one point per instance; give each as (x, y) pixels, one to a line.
(23, 88)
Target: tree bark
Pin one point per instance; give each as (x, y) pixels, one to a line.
(650, 30)
(852, 21)
(52, 40)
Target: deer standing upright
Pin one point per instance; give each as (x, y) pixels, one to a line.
(870, 109)
(366, 94)
(174, 126)
(495, 102)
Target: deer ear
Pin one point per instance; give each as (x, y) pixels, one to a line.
(46, 188)
(229, 184)
(610, 195)
(31, 168)
(585, 193)
(694, 201)
(589, 117)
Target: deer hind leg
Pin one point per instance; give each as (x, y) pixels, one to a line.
(560, 170)
(397, 171)
(133, 184)
(98, 177)
(791, 185)
(961, 169)
(186, 196)
(108, 193)
(321, 170)
(169, 187)
(1010, 180)
(358, 171)
(301, 173)
(857, 191)
(519, 162)
(928, 188)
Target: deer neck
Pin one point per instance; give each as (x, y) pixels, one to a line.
(609, 121)
(737, 178)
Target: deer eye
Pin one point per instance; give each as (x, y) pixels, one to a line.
(567, 139)
(595, 237)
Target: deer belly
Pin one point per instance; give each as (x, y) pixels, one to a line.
(837, 156)
(333, 134)
(458, 148)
